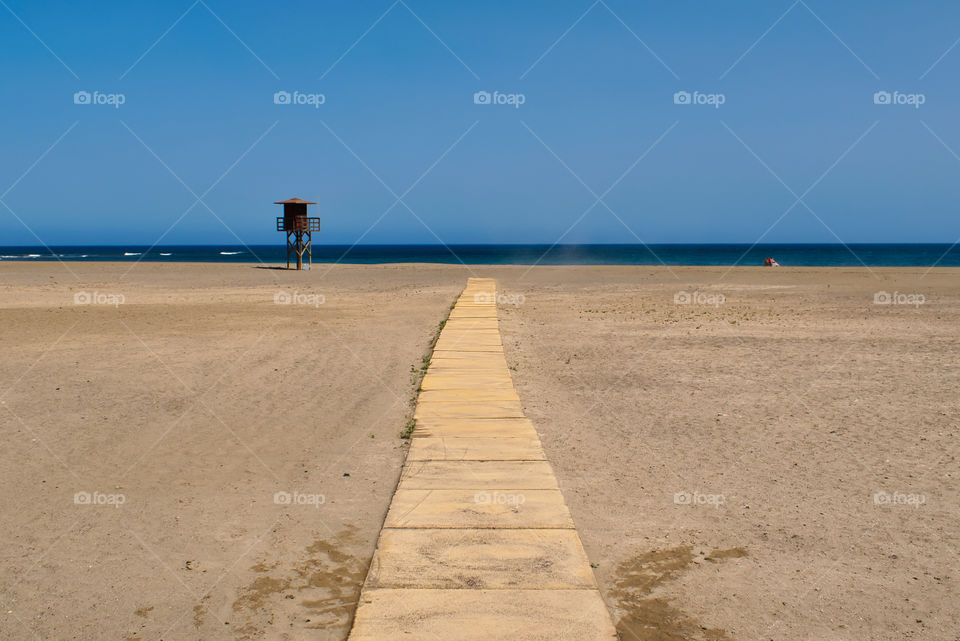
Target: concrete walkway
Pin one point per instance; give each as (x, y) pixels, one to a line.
(478, 543)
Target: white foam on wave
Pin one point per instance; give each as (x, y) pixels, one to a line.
(162, 254)
(131, 253)
(229, 253)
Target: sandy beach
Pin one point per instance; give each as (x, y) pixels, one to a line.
(208, 451)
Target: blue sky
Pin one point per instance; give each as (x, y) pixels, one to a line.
(599, 151)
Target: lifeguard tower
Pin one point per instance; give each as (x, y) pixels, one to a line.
(299, 229)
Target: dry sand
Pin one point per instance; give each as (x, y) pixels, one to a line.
(721, 462)
(198, 399)
(779, 414)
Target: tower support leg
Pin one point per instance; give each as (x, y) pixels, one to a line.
(299, 250)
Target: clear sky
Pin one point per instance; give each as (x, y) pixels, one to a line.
(598, 151)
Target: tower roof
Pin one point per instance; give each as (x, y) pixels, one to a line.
(294, 201)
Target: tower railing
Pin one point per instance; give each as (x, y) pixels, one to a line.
(300, 223)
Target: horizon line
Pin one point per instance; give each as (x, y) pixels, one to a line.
(495, 244)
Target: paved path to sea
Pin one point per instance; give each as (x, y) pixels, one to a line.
(478, 543)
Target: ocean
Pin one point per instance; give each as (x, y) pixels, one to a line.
(827, 255)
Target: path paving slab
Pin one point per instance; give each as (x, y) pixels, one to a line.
(459, 368)
(461, 342)
(468, 381)
(482, 615)
(463, 367)
(476, 357)
(486, 357)
(460, 409)
(467, 394)
(492, 508)
(480, 558)
(452, 343)
(458, 475)
(480, 326)
(469, 331)
(469, 363)
(473, 312)
(444, 349)
(472, 337)
(472, 323)
(505, 427)
(466, 363)
(475, 449)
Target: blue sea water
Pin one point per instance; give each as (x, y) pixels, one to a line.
(830, 255)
